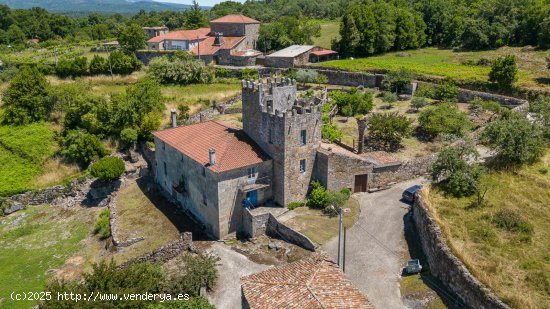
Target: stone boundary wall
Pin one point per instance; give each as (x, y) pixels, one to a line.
(254, 225)
(44, 196)
(446, 266)
(276, 229)
(386, 175)
(166, 252)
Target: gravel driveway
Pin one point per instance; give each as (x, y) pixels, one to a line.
(232, 266)
(376, 245)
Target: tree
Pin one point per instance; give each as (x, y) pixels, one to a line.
(180, 71)
(109, 168)
(15, 36)
(286, 31)
(446, 91)
(389, 128)
(98, 65)
(504, 72)
(82, 147)
(452, 170)
(444, 118)
(120, 63)
(128, 137)
(516, 140)
(131, 38)
(27, 98)
(396, 81)
(198, 271)
(353, 102)
(418, 102)
(72, 67)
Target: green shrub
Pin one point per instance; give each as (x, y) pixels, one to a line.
(389, 97)
(180, 71)
(198, 302)
(447, 91)
(425, 90)
(396, 81)
(72, 67)
(8, 73)
(512, 221)
(121, 63)
(504, 72)
(310, 76)
(353, 102)
(98, 65)
(82, 147)
(249, 73)
(102, 225)
(418, 102)
(109, 168)
(346, 191)
(331, 133)
(389, 129)
(319, 196)
(295, 205)
(128, 137)
(199, 271)
(444, 118)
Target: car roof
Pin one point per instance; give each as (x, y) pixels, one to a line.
(413, 189)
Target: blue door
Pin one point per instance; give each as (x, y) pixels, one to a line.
(252, 197)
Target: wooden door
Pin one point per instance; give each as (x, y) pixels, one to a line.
(360, 183)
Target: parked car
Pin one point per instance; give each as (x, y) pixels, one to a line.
(409, 195)
(413, 267)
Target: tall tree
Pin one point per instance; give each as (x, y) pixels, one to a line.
(26, 100)
(132, 38)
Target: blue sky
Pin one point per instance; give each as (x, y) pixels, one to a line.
(201, 2)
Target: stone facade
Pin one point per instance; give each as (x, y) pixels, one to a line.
(385, 175)
(251, 32)
(287, 129)
(447, 267)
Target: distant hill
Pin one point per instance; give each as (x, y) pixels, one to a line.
(103, 6)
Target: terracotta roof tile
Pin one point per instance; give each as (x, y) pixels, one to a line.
(207, 47)
(235, 19)
(323, 52)
(234, 149)
(183, 35)
(309, 283)
(381, 157)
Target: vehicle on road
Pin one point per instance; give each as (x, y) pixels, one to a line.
(413, 266)
(409, 195)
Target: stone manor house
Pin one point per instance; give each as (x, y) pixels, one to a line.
(214, 171)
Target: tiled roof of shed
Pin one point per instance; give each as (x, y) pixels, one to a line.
(234, 149)
(314, 282)
(235, 19)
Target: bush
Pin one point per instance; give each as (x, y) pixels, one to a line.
(109, 168)
(120, 63)
(504, 72)
(346, 191)
(200, 270)
(98, 65)
(294, 205)
(396, 81)
(331, 133)
(425, 90)
(72, 67)
(511, 221)
(8, 73)
(389, 97)
(102, 225)
(249, 73)
(82, 147)
(128, 137)
(319, 196)
(444, 118)
(516, 140)
(447, 91)
(541, 107)
(180, 71)
(418, 102)
(353, 102)
(310, 76)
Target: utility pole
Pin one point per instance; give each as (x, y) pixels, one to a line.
(339, 234)
(344, 257)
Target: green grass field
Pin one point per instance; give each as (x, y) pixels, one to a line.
(448, 63)
(23, 151)
(330, 29)
(514, 264)
(34, 243)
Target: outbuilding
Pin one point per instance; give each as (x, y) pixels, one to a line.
(296, 55)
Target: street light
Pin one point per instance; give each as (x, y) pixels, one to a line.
(339, 230)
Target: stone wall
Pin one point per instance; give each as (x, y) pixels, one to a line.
(447, 267)
(384, 176)
(336, 168)
(45, 196)
(253, 226)
(276, 229)
(167, 252)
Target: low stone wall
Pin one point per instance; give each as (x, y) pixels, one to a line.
(45, 196)
(447, 267)
(167, 252)
(386, 175)
(276, 229)
(254, 225)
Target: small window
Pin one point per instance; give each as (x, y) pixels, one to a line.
(204, 171)
(165, 170)
(270, 137)
(303, 166)
(163, 145)
(302, 137)
(204, 199)
(252, 172)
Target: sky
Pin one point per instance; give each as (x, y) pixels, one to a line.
(201, 2)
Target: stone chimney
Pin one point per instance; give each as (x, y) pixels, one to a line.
(212, 156)
(173, 118)
(218, 40)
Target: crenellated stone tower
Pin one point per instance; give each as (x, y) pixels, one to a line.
(286, 128)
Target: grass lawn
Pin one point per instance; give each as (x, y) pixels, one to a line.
(515, 265)
(319, 227)
(26, 159)
(34, 243)
(330, 29)
(447, 63)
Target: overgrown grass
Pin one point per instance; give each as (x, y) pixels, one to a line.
(330, 29)
(319, 227)
(508, 253)
(447, 63)
(102, 225)
(32, 248)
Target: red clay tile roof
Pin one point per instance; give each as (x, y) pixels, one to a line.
(234, 149)
(235, 19)
(182, 35)
(207, 47)
(323, 52)
(381, 157)
(314, 282)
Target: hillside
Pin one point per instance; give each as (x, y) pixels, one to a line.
(105, 6)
